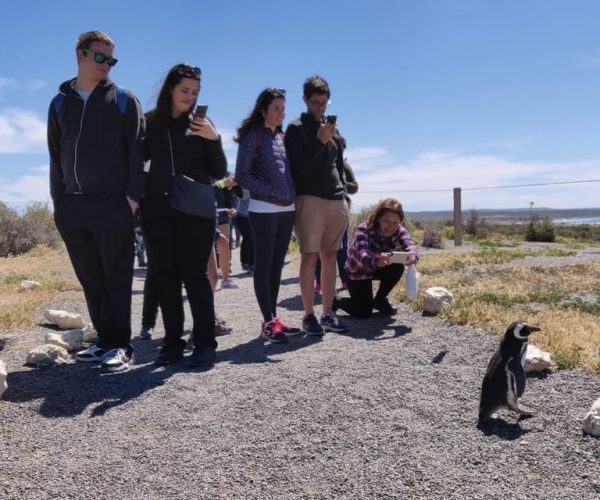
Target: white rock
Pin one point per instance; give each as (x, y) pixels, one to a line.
(71, 340)
(591, 422)
(437, 297)
(30, 284)
(63, 319)
(3, 376)
(47, 354)
(90, 335)
(537, 360)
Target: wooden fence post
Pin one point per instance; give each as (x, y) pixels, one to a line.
(457, 218)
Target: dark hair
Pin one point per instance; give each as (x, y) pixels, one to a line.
(85, 40)
(161, 115)
(257, 117)
(316, 85)
(388, 205)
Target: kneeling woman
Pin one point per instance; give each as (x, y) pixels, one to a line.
(181, 244)
(369, 258)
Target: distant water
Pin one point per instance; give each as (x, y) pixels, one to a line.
(582, 220)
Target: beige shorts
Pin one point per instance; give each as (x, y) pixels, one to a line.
(320, 224)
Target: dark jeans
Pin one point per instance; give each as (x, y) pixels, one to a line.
(360, 302)
(98, 233)
(247, 247)
(179, 246)
(272, 233)
(151, 297)
(342, 255)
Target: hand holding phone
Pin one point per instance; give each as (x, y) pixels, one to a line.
(200, 112)
(331, 119)
(400, 258)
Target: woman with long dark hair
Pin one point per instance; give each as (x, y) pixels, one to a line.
(180, 244)
(263, 169)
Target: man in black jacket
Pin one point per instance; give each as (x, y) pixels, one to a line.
(315, 151)
(95, 132)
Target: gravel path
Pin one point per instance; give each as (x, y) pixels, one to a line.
(387, 410)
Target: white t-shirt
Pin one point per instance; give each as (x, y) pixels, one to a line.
(264, 207)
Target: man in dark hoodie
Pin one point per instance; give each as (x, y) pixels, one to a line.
(95, 132)
(315, 151)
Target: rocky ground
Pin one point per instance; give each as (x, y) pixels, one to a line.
(387, 410)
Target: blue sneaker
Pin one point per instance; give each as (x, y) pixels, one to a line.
(311, 326)
(331, 323)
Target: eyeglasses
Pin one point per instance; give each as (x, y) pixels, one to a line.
(276, 92)
(100, 58)
(189, 71)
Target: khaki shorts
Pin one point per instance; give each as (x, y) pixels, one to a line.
(320, 224)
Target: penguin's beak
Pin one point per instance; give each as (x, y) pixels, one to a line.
(533, 328)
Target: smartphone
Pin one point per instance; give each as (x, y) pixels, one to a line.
(201, 110)
(400, 257)
(331, 119)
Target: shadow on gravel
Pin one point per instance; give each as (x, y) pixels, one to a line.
(503, 429)
(295, 303)
(67, 390)
(258, 351)
(377, 327)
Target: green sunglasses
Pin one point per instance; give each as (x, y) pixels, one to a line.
(100, 58)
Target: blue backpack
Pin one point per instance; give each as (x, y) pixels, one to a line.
(121, 100)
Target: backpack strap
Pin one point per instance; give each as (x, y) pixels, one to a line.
(121, 100)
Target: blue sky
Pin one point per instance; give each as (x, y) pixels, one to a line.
(430, 94)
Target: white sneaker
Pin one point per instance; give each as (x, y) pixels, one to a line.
(228, 283)
(118, 359)
(93, 354)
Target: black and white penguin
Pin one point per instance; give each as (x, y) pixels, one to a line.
(504, 381)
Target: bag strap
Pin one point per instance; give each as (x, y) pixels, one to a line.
(171, 151)
(121, 100)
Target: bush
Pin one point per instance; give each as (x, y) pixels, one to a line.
(476, 226)
(432, 237)
(539, 229)
(21, 233)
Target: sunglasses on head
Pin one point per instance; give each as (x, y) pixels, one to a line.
(276, 92)
(189, 71)
(101, 58)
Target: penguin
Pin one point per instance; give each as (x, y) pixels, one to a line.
(504, 380)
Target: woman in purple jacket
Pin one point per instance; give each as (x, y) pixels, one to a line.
(263, 169)
(369, 258)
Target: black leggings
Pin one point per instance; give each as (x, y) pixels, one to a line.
(360, 302)
(271, 233)
(247, 246)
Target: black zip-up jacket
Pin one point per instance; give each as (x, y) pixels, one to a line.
(196, 157)
(94, 148)
(317, 168)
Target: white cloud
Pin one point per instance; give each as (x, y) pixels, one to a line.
(427, 181)
(7, 82)
(12, 83)
(35, 85)
(33, 186)
(21, 132)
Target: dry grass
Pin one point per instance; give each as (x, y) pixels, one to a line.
(564, 301)
(52, 269)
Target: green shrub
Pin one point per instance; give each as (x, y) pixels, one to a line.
(540, 229)
(21, 233)
(567, 360)
(432, 237)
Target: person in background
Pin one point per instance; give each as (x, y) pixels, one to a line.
(262, 168)
(180, 244)
(140, 247)
(322, 215)
(351, 188)
(243, 224)
(369, 259)
(225, 195)
(95, 132)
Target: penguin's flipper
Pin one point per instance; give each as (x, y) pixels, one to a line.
(517, 376)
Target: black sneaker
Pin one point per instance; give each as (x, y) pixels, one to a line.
(383, 306)
(118, 359)
(311, 326)
(146, 332)
(168, 356)
(203, 358)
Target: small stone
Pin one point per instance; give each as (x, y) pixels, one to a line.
(63, 319)
(591, 422)
(71, 340)
(90, 335)
(537, 360)
(437, 297)
(46, 355)
(30, 284)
